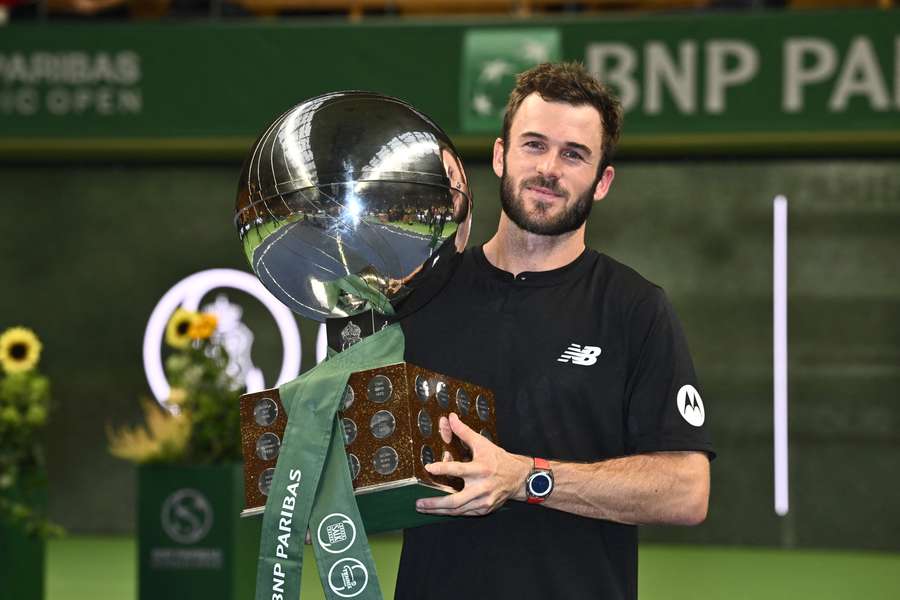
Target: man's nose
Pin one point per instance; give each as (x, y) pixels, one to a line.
(549, 165)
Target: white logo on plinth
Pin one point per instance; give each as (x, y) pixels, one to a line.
(348, 578)
(690, 405)
(580, 355)
(336, 533)
(186, 516)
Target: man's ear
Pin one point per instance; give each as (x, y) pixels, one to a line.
(602, 188)
(498, 157)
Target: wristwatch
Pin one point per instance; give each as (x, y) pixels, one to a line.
(539, 483)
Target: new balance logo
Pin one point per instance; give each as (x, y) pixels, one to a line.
(580, 355)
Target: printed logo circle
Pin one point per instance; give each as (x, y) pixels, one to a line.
(382, 424)
(379, 389)
(267, 446)
(347, 398)
(336, 533)
(349, 431)
(443, 396)
(423, 390)
(348, 578)
(186, 516)
(690, 405)
(265, 411)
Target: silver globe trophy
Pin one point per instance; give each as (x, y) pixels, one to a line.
(344, 198)
(353, 209)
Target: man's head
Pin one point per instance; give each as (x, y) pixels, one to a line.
(559, 134)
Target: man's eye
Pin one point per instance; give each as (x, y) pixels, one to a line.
(571, 154)
(534, 145)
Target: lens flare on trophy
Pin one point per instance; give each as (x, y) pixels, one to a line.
(343, 200)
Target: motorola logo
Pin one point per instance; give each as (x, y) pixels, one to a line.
(690, 405)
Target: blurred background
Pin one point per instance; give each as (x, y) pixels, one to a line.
(123, 126)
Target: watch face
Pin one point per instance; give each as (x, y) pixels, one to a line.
(540, 484)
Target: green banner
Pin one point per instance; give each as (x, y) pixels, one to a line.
(780, 82)
(312, 489)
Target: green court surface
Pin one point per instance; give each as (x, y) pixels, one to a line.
(95, 568)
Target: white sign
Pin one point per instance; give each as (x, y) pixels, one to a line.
(188, 294)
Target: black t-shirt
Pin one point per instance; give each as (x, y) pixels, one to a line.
(587, 362)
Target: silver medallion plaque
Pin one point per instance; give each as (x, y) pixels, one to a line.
(423, 389)
(385, 460)
(347, 398)
(427, 455)
(265, 481)
(267, 446)
(379, 389)
(443, 395)
(265, 411)
(463, 402)
(349, 427)
(425, 425)
(382, 424)
(483, 407)
(353, 463)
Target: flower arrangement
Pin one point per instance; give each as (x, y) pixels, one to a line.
(24, 406)
(202, 423)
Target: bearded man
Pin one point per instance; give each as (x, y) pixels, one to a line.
(600, 420)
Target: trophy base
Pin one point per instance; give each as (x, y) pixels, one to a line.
(390, 506)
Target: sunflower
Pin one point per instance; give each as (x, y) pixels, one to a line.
(20, 350)
(203, 326)
(177, 331)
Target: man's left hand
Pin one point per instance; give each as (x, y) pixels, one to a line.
(491, 477)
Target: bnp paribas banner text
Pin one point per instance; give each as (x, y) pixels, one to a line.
(825, 82)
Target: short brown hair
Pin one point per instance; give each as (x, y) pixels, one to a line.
(571, 83)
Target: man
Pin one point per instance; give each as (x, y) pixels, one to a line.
(600, 422)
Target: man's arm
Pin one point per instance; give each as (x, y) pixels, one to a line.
(659, 488)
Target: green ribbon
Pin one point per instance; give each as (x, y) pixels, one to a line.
(312, 488)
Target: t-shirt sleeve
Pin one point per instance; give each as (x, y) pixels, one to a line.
(665, 409)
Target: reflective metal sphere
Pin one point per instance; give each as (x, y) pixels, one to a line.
(344, 198)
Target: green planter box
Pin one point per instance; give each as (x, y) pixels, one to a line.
(22, 555)
(191, 541)
(22, 560)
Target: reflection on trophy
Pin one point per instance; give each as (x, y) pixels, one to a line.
(353, 209)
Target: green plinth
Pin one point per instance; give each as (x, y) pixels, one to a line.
(191, 541)
(22, 556)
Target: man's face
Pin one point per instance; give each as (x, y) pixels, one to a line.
(549, 168)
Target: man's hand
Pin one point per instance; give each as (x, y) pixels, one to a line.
(491, 478)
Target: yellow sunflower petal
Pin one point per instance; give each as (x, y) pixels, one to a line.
(178, 328)
(203, 326)
(20, 350)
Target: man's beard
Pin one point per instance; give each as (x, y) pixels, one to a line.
(570, 219)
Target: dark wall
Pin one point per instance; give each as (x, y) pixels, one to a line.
(86, 252)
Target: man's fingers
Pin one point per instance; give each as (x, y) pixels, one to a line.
(451, 468)
(464, 432)
(445, 430)
(449, 503)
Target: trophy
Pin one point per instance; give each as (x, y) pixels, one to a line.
(353, 209)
